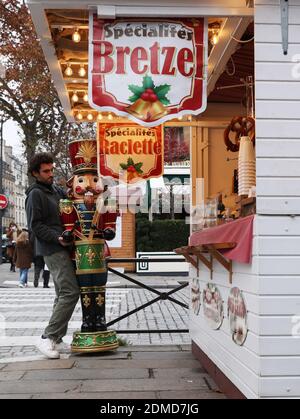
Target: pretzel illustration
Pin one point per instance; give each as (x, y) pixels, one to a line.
(242, 126)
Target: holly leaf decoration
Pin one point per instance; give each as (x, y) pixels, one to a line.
(138, 167)
(137, 90)
(148, 83)
(134, 98)
(130, 164)
(165, 101)
(162, 90)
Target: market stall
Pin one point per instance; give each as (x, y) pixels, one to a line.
(222, 251)
(244, 245)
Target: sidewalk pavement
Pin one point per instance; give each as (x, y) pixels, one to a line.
(130, 373)
(156, 366)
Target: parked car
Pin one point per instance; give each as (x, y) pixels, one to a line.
(4, 248)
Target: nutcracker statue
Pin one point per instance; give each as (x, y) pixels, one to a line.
(89, 226)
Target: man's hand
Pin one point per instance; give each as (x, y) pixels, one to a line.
(63, 243)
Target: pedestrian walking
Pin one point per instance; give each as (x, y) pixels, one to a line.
(12, 234)
(40, 266)
(46, 276)
(42, 208)
(23, 257)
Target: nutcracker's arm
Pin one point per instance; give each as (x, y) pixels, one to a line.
(107, 225)
(69, 219)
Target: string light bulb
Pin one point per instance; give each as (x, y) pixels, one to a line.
(82, 71)
(90, 117)
(68, 71)
(75, 98)
(215, 38)
(76, 36)
(79, 116)
(86, 97)
(110, 117)
(215, 31)
(100, 117)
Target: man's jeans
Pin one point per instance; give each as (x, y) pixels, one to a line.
(67, 293)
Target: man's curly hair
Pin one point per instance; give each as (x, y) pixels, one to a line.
(39, 159)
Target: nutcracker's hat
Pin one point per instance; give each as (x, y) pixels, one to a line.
(83, 154)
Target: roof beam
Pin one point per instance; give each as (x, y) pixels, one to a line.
(175, 11)
(225, 48)
(43, 31)
(137, 8)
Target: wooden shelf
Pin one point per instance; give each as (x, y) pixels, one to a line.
(213, 250)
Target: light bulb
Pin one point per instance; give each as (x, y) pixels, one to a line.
(76, 36)
(90, 117)
(190, 117)
(179, 118)
(215, 38)
(68, 71)
(86, 97)
(81, 71)
(100, 117)
(75, 98)
(110, 117)
(79, 116)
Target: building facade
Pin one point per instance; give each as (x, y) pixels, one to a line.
(8, 182)
(14, 187)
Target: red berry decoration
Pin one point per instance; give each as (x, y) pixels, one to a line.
(145, 96)
(131, 169)
(149, 92)
(152, 97)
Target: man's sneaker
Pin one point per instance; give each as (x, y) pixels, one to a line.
(47, 348)
(21, 286)
(62, 347)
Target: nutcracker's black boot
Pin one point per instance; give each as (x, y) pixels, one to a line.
(99, 304)
(88, 314)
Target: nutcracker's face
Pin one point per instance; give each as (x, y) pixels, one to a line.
(87, 186)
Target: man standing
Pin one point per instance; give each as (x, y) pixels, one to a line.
(42, 208)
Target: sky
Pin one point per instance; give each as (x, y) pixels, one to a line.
(11, 137)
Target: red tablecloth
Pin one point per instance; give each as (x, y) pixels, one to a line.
(239, 231)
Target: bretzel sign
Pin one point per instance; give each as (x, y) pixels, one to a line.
(149, 71)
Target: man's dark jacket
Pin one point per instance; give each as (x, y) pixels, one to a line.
(42, 209)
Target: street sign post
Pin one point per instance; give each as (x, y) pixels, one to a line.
(3, 202)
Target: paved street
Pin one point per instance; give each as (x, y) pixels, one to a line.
(25, 311)
(130, 373)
